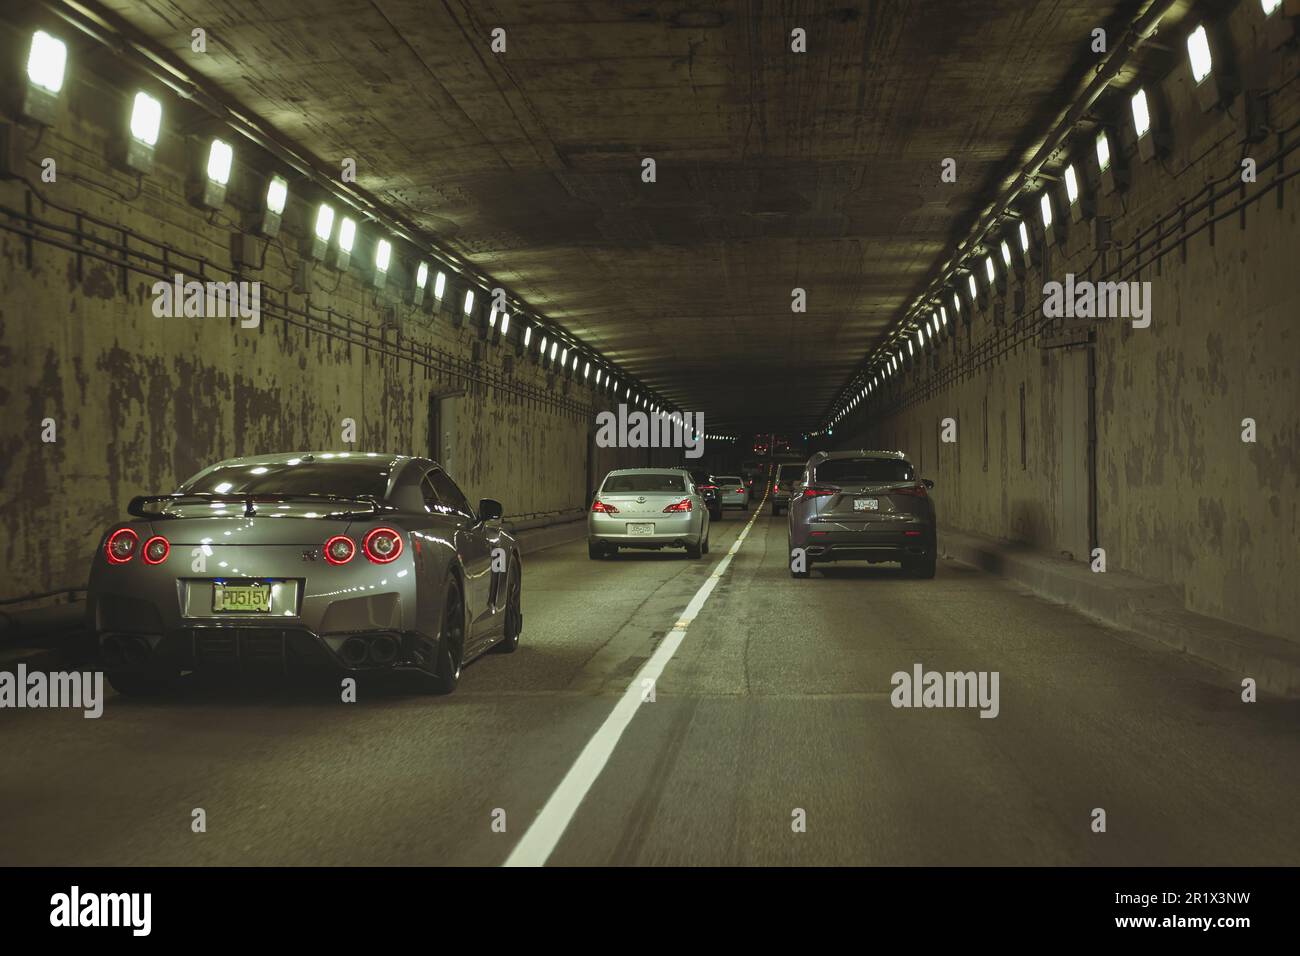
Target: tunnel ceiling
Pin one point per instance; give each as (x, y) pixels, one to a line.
(775, 170)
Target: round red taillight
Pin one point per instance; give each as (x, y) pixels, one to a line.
(121, 546)
(156, 550)
(382, 545)
(339, 549)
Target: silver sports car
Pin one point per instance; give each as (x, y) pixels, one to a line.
(342, 562)
(647, 508)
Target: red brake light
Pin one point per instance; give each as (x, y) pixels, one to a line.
(382, 545)
(340, 549)
(600, 507)
(156, 550)
(121, 545)
(815, 491)
(916, 491)
(683, 505)
(706, 487)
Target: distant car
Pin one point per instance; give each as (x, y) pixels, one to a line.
(786, 476)
(732, 492)
(754, 474)
(707, 486)
(344, 563)
(863, 506)
(647, 508)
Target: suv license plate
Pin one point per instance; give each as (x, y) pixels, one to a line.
(241, 598)
(866, 504)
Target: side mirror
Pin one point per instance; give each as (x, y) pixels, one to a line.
(489, 509)
(927, 482)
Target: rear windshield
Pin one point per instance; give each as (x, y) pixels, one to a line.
(729, 480)
(789, 472)
(642, 484)
(345, 479)
(850, 471)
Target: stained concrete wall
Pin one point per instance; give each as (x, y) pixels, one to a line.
(1180, 499)
(140, 402)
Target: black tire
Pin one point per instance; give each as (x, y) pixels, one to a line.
(514, 612)
(716, 513)
(920, 567)
(451, 641)
(595, 551)
(130, 684)
(704, 546)
(693, 551)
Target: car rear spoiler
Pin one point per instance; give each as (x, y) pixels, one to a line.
(140, 505)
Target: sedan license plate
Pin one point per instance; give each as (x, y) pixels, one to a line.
(241, 598)
(866, 504)
(641, 528)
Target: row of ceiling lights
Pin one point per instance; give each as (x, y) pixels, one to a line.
(924, 331)
(46, 66)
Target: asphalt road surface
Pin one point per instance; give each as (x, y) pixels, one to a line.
(771, 739)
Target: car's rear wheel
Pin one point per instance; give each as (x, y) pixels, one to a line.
(140, 685)
(595, 551)
(451, 641)
(514, 612)
(920, 567)
(716, 513)
(694, 551)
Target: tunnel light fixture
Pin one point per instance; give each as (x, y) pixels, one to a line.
(277, 197)
(145, 126)
(346, 241)
(1211, 90)
(421, 283)
(575, 363)
(564, 356)
(528, 335)
(555, 347)
(1080, 207)
(492, 318)
(1045, 212)
(46, 62)
(1024, 237)
(1198, 53)
(322, 229)
(990, 271)
(1006, 254)
(505, 323)
(383, 259)
(439, 286)
(586, 374)
(1141, 113)
(1103, 150)
(467, 307)
(210, 190)
(974, 288)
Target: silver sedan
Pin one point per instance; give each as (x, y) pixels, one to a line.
(341, 562)
(649, 508)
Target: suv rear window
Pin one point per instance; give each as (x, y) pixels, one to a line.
(863, 471)
(641, 484)
(729, 480)
(789, 472)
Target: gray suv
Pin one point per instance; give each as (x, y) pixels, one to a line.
(862, 506)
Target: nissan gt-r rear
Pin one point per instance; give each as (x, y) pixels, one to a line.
(339, 563)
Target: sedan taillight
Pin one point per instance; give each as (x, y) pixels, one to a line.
(121, 546)
(600, 507)
(156, 550)
(382, 545)
(339, 549)
(683, 505)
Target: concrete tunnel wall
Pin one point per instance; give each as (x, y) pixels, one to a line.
(1181, 499)
(139, 403)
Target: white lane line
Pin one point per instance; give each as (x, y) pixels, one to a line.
(537, 844)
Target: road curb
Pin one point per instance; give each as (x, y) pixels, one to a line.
(1151, 610)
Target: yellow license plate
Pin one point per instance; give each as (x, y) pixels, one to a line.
(241, 597)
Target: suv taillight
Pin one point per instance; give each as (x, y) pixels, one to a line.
(382, 545)
(916, 491)
(816, 491)
(600, 507)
